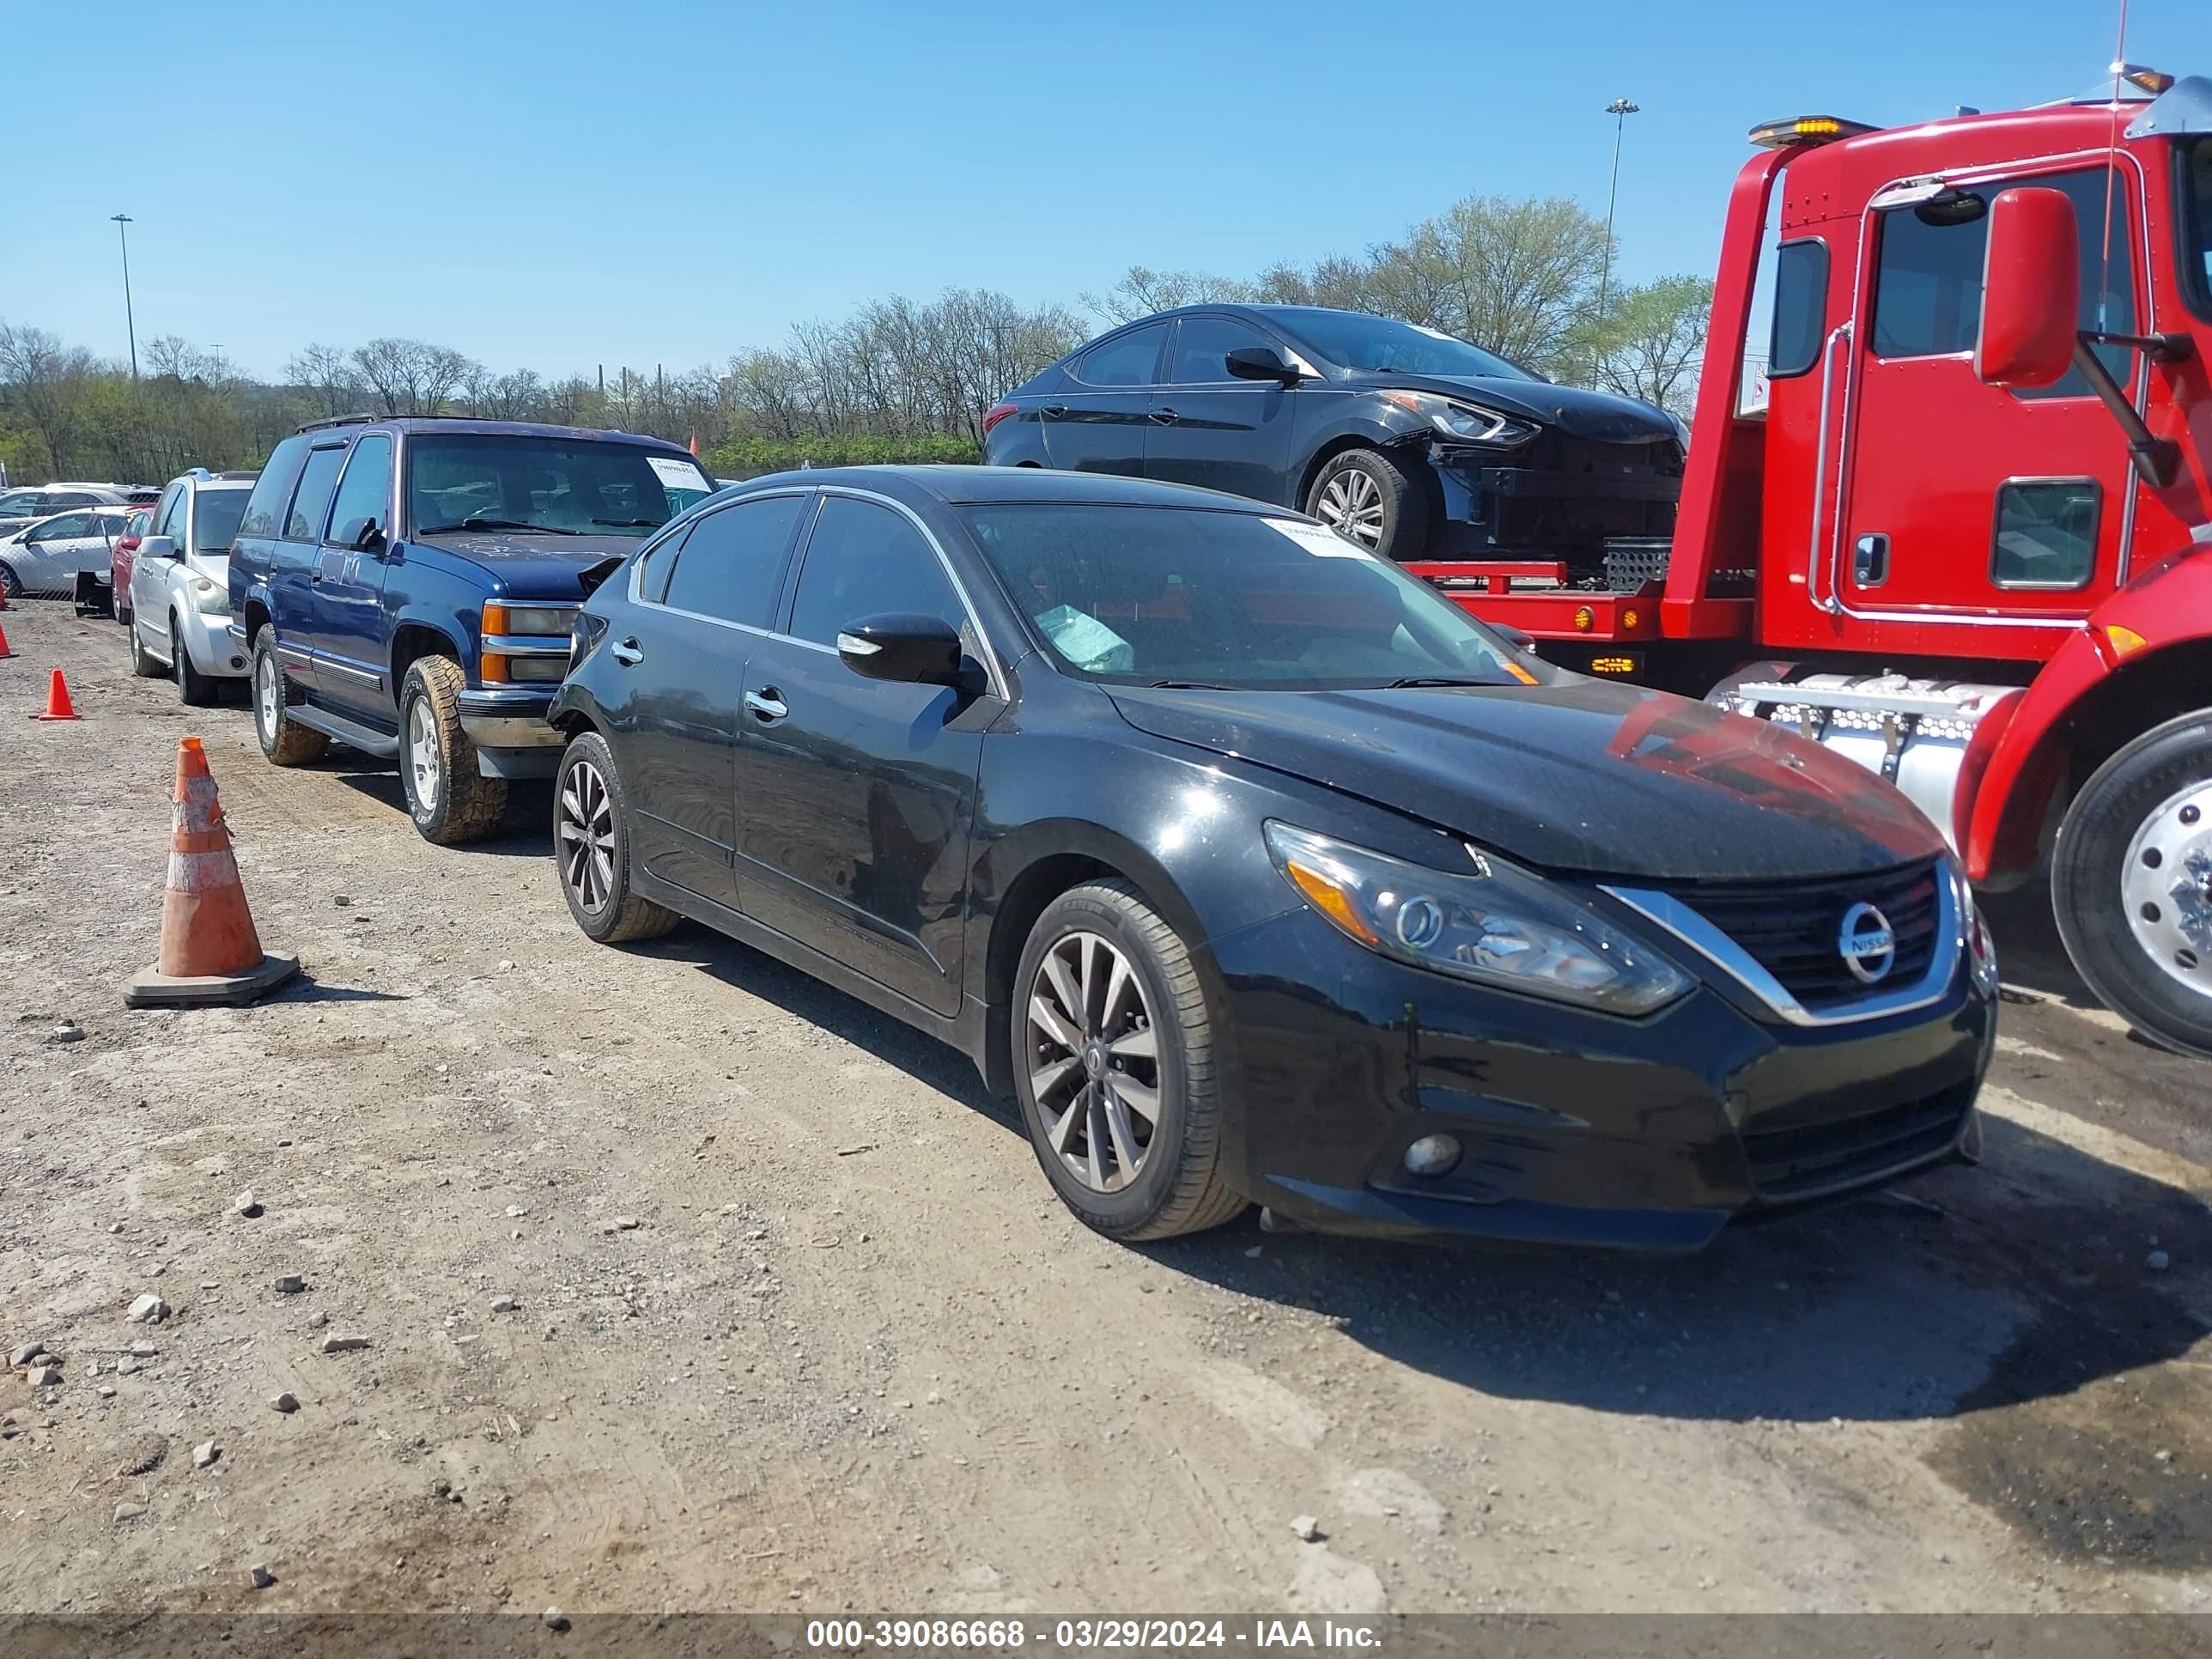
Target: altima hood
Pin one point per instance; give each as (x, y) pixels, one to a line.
(1584, 775)
(1600, 416)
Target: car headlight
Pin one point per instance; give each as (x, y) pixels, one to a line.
(1981, 947)
(1471, 422)
(210, 598)
(1493, 923)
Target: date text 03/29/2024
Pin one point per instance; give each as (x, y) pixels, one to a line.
(1011, 1635)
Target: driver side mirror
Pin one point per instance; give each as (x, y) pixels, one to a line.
(2031, 289)
(362, 535)
(1261, 363)
(920, 650)
(160, 547)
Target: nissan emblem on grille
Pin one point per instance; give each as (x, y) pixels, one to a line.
(1868, 947)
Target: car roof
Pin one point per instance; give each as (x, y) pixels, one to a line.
(951, 485)
(470, 425)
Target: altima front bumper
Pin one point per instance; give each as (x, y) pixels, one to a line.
(1575, 1127)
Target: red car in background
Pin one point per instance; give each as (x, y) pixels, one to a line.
(126, 551)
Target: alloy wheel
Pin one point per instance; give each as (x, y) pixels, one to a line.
(2167, 885)
(587, 833)
(265, 691)
(1352, 504)
(1094, 1061)
(422, 755)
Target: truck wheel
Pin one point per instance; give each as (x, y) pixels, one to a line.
(284, 739)
(451, 801)
(1376, 501)
(2131, 882)
(1113, 1056)
(194, 689)
(590, 844)
(143, 663)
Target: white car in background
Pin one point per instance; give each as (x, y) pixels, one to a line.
(179, 598)
(44, 557)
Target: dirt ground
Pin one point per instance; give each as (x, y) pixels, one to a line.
(854, 1355)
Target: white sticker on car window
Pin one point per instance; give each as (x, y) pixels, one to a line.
(677, 474)
(1319, 540)
(1086, 642)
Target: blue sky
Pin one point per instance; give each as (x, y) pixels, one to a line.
(556, 185)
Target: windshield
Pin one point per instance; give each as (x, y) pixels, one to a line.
(574, 486)
(19, 503)
(1385, 346)
(1148, 595)
(214, 519)
(2197, 227)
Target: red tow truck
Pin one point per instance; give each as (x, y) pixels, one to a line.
(1968, 541)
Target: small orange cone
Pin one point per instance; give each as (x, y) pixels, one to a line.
(210, 951)
(5, 651)
(58, 705)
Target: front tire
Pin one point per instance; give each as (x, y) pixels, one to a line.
(449, 800)
(2131, 883)
(1113, 1059)
(1375, 500)
(284, 739)
(194, 689)
(590, 846)
(11, 585)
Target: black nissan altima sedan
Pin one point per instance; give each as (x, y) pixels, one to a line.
(1258, 872)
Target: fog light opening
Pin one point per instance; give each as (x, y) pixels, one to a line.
(1432, 1156)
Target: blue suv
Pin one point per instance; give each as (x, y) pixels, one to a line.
(407, 586)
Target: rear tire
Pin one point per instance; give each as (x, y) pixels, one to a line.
(590, 848)
(1115, 1072)
(284, 739)
(1375, 500)
(11, 585)
(194, 689)
(450, 802)
(2131, 883)
(143, 663)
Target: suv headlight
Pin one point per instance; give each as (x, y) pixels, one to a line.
(210, 598)
(1470, 421)
(1981, 947)
(1494, 923)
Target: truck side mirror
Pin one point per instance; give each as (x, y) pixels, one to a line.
(2031, 289)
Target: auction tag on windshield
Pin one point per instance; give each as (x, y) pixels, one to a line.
(677, 474)
(1319, 540)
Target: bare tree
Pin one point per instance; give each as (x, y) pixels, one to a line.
(1142, 291)
(328, 375)
(47, 381)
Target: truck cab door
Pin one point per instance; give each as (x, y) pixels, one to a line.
(2009, 511)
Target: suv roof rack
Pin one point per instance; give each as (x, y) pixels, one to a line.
(441, 415)
(335, 420)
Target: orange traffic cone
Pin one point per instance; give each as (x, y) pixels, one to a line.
(5, 651)
(58, 705)
(210, 951)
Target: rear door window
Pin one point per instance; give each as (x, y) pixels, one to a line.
(731, 563)
(1131, 359)
(264, 509)
(311, 502)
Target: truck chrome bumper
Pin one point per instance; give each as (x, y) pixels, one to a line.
(509, 731)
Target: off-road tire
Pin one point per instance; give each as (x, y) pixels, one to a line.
(1403, 494)
(284, 739)
(622, 917)
(194, 689)
(2090, 862)
(1178, 1188)
(468, 805)
(144, 665)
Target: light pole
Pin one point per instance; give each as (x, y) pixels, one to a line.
(129, 321)
(1620, 109)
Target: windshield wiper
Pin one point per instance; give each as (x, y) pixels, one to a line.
(625, 524)
(1418, 682)
(1190, 685)
(473, 522)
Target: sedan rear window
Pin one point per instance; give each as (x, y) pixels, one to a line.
(1147, 595)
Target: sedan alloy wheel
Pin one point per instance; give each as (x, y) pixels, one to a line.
(1096, 1066)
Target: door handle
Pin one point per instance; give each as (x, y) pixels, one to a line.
(1164, 417)
(766, 705)
(1870, 560)
(626, 653)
